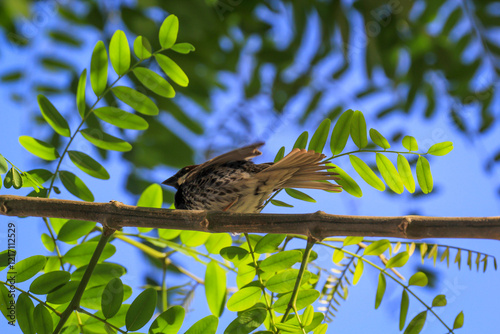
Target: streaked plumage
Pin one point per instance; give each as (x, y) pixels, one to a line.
(233, 183)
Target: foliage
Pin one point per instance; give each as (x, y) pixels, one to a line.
(425, 57)
(277, 287)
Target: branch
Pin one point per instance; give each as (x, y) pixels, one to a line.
(317, 225)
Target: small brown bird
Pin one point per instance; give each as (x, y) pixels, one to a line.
(231, 182)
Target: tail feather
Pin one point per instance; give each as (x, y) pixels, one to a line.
(314, 185)
(304, 169)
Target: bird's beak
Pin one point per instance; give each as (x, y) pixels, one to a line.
(172, 181)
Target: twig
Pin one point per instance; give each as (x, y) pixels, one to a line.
(75, 302)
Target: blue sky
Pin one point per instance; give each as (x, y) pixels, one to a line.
(464, 189)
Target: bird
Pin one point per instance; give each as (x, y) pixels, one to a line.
(232, 182)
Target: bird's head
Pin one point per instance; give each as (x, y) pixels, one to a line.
(178, 179)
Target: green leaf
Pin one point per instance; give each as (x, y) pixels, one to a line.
(338, 255)
(285, 280)
(6, 258)
(380, 290)
(378, 139)
(215, 288)
(269, 243)
(217, 241)
(49, 282)
(247, 321)
(183, 48)
(154, 82)
(17, 180)
(281, 261)
(299, 195)
(301, 141)
(341, 131)
(7, 181)
(389, 173)
(207, 325)
(73, 230)
(275, 202)
(418, 279)
(280, 154)
(52, 264)
(246, 274)
(288, 328)
(136, 100)
(304, 299)
(168, 31)
(424, 175)
(48, 242)
(151, 197)
(119, 52)
(316, 321)
(88, 165)
(320, 136)
(168, 322)
(142, 47)
(308, 316)
(92, 297)
(405, 302)
(141, 310)
(410, 143)
(459, 320)
(348, 241)
(441, 148)
(194, 238)
(99, 69)
(53, 117)
(112, 298)
(458, 258)
(416, 324)
(168, 234)
(27, 268)
(80, 255)
(321, 329)
(358, 272)
(378, 247)
(7, 303)
(102, 274)
(234, 254)
(398, 260)
(439, 300)
(105, 141)
(244, 298)
(451, 21)
(80, 94)
(39, 175)
(121, 118)
(406, 174)
(39, 148)
(358, 129)
(172, 70)
(76, 186)
(42, 320)
(366, 173)
(3, 165)
(29, 181)
(24, 314)
(347, 182)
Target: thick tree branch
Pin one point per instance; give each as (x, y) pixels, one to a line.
(318, 225)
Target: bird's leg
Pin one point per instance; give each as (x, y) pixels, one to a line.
(230, 204)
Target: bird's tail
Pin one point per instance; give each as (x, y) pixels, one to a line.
(305, 169)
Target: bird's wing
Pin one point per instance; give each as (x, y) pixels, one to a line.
(243, 153)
